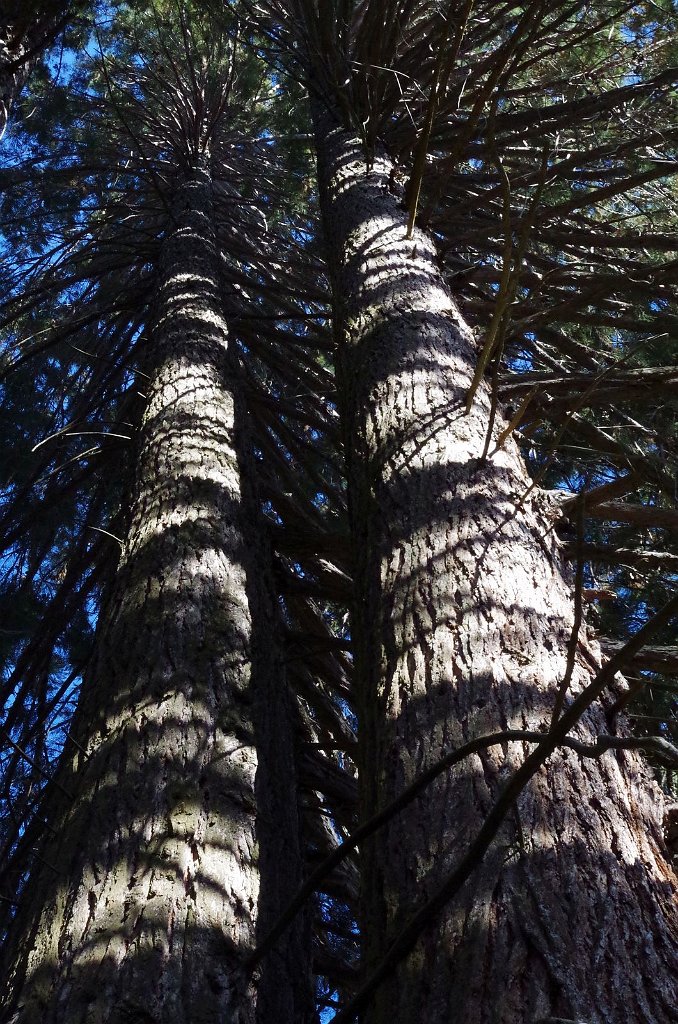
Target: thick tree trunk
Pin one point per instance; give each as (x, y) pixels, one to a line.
(181, 833)
(464, 611)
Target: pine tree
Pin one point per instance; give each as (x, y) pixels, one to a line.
(465, 622)
(473, 610)
(497, 186)
(173, 833)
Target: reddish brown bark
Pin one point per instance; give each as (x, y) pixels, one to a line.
(464, 611)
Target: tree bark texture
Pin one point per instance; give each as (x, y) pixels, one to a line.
(464, 612)
(180, 841)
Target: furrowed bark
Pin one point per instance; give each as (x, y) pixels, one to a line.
(463, 615)
(181, 833)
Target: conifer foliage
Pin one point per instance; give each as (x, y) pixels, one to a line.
(495, 192)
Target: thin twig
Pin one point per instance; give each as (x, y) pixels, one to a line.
(36, 767)
(419, 165)
(578, 613)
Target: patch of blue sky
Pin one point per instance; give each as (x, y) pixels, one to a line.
(344, 707)
(523, 362)
(62, 64)
(267, 506)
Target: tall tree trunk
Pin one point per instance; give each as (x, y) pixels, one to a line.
(464, 611)
(148, 896)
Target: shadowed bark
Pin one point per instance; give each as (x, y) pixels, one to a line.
(464, 612)
(180, 840)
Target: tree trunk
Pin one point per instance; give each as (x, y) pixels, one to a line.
(180, 840)
(464, 612)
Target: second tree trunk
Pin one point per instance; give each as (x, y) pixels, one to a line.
(463, 614)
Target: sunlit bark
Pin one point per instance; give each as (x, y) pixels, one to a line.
(180, 841)
(464, 609)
